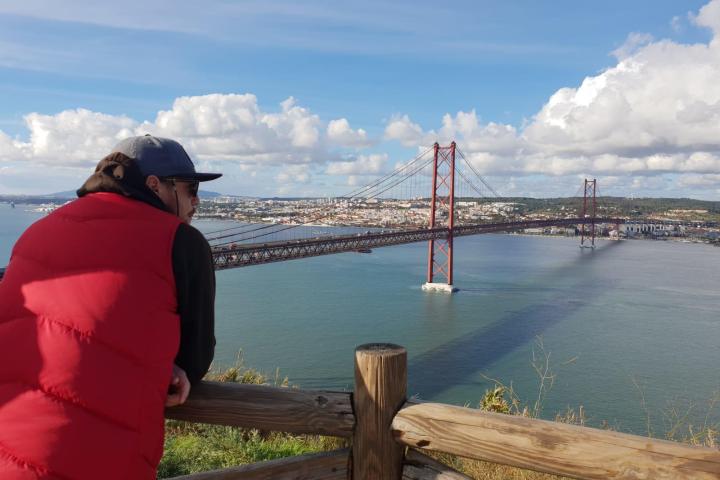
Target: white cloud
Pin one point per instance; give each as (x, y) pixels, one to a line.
(225, 132)
(211, 127)
(9, 150)
(676, 24)
(340, 133)
(664, 98)
(647, 183)
(492, 138)
(75, 136)
(233, 127)
(709, 17)
(656, 111)
(632, 44)
(71, 138)
(353, 181)
(363, 165)
(403, 130)
(699, 181)
(294, 174)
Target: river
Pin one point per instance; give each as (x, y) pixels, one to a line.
(628, 321)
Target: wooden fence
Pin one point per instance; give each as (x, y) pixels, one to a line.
(382, 424)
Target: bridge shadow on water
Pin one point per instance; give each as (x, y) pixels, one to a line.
(457, 361)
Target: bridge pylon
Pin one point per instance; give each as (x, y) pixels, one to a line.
(442, 213)
(589, 200)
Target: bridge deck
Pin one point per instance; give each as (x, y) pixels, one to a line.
(255, 254)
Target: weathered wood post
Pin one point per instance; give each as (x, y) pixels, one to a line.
(380, 389)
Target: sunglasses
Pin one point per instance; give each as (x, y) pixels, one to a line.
(193, 186)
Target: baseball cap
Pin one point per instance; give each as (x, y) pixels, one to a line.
(162, 157)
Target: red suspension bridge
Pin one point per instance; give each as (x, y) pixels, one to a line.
(409, 215)
(445, 173)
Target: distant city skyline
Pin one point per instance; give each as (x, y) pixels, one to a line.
(316, 98)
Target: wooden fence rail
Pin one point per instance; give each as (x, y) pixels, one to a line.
(382, 423)
(268, 408)
(550, 447)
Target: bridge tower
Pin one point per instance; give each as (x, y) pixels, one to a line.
(589, 200)
(442, 214)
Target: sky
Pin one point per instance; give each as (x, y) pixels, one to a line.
(315, 98)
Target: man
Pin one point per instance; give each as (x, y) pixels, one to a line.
(107, 316)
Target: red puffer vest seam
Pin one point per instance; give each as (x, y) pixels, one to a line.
(88, 333)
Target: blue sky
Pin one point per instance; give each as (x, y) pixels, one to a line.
(76, 76)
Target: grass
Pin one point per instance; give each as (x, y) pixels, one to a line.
(198, 448)
(195, 447)
(192, 448)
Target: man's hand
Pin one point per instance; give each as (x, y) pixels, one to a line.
(179, 388)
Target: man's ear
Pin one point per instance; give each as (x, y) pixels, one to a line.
(153, 183)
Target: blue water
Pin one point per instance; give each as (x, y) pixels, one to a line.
(629, 319)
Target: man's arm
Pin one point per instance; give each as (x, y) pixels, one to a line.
(195, 283)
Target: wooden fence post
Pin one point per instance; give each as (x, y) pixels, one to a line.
(380, 389)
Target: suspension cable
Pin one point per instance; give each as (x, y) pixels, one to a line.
(480, 177)
(354, 194)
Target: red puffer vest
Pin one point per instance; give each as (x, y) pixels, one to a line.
(88, 335)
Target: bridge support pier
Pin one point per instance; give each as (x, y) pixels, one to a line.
(438, 287)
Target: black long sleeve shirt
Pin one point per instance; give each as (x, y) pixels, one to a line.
(195, 283)
(191, 260)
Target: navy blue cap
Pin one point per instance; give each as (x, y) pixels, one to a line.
(161, 157)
